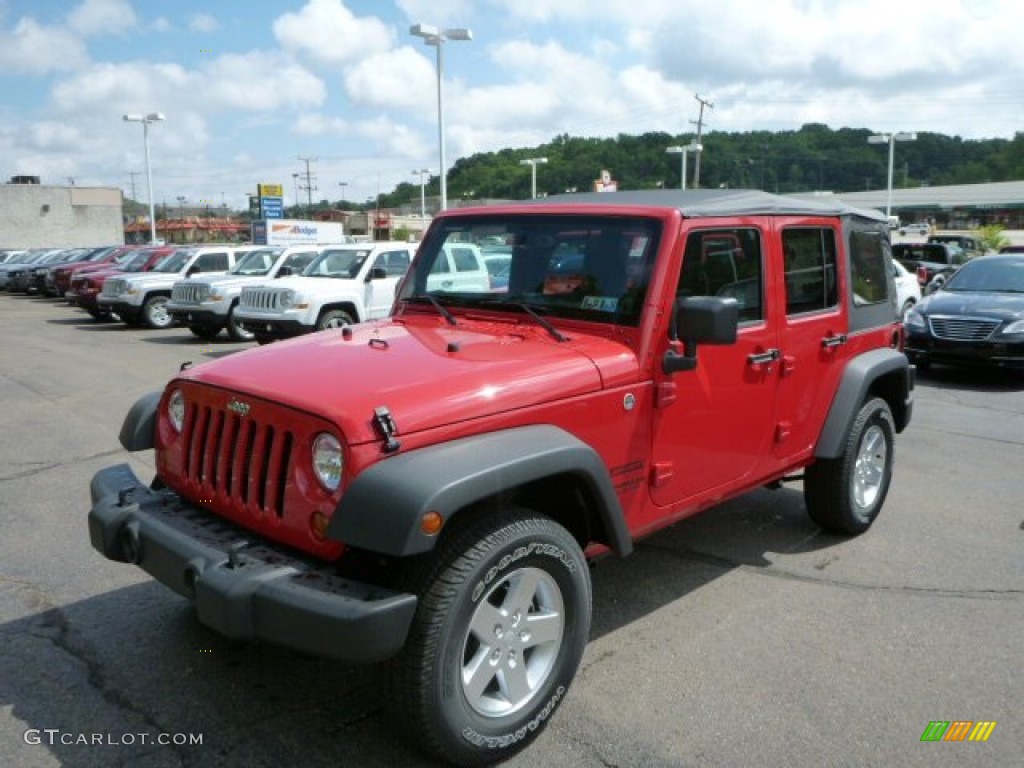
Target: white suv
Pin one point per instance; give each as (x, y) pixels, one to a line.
(207, 303)
(345, 284)
(142, 299)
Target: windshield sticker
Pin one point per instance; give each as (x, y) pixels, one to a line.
(601, 303)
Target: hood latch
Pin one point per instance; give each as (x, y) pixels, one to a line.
(385, 424)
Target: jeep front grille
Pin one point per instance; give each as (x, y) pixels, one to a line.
(954, 328)
(259, 298)
(114, 286)
(190, 293)
(236, 458)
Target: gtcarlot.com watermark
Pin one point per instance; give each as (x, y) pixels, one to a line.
(53, 737)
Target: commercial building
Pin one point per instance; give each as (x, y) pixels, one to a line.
(34, 215)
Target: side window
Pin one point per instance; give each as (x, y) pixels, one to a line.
(299, 261)
(213, 262)
(395, 262)
(465, 259)
(867, 269)
(809, 257)
(725, 262)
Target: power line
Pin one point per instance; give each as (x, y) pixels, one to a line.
(309, 182)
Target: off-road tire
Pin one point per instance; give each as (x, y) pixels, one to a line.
(509, 596)
(155, 314)
(333, 318)
(844, 495)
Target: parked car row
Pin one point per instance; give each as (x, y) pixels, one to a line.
(253, 292)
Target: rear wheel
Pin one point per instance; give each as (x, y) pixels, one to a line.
(155, 314)
(501, 626)
(845, 495)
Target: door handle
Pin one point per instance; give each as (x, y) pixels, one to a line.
(764, 358)
(833, 341)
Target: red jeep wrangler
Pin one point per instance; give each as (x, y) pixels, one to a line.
(430, 488)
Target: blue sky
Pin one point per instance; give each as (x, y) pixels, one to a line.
(250, 87)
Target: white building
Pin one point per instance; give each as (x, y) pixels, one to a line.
(40, 216)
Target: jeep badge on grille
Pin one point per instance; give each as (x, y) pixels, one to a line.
(237, 406)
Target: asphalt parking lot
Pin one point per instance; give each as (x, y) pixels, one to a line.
(742, 637)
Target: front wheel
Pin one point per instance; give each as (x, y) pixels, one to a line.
(155, 314)
(845, 495)
(501, 626)
(333, 318)
(235, 331)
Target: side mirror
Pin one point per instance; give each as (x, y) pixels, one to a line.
(700, 320)
(285, 271)
(192, 271)
(377, 273)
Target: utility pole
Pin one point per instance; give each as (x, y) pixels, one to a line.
(309, 184)
(699, 122)
(133, 174)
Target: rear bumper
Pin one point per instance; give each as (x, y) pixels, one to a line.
(243, 586)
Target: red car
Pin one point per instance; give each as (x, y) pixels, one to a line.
(87, 284)
(61, 276)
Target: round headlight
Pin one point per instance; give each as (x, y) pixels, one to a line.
(287, 299)
(327, 461)
(176, 409)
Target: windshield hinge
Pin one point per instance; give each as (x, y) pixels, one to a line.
(385, 424)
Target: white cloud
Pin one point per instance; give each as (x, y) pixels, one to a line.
(328, 32)
(398, 78)
(94, 17)
(442, 13)
(162, 24)
(34, 48)
(203, 23)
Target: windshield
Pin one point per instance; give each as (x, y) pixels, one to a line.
(338, 262)
(990, 275)
(133, 261)
(258, 262)
(572, 266)
(175, 262)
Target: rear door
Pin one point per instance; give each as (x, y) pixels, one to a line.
(812, 336)
(380, 292)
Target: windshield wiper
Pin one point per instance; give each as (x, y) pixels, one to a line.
(542, 321)
(441, 308)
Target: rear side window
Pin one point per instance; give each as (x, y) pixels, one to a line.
(395, 262)
(868, 269)
(728, 263)
(809, 256)
(465, 259)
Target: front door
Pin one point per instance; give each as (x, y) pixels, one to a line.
(713, 426)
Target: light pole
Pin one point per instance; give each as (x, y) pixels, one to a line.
(423, 172)
(436, 37)
(342, 184)
(533, 162)
(152, 117)
(890, 139)
(181, 206)
(682, 152)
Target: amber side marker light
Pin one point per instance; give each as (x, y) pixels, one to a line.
(318, 524)
(431, 523)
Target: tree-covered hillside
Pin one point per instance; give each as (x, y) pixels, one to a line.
(814, 157)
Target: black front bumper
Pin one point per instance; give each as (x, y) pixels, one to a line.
(927, 349)
(198, 318)
(243, 586)
(275, 329)
(124, 310)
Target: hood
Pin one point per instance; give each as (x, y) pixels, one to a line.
(426, 373)
(151, 278)
(1004, 306)
(314, 286)
(229, 281)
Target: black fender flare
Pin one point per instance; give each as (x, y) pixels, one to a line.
(859, 376)
(382, 508)
(139, 428)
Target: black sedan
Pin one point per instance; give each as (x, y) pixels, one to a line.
(976, 318)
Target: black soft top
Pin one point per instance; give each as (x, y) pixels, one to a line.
(718, 202)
